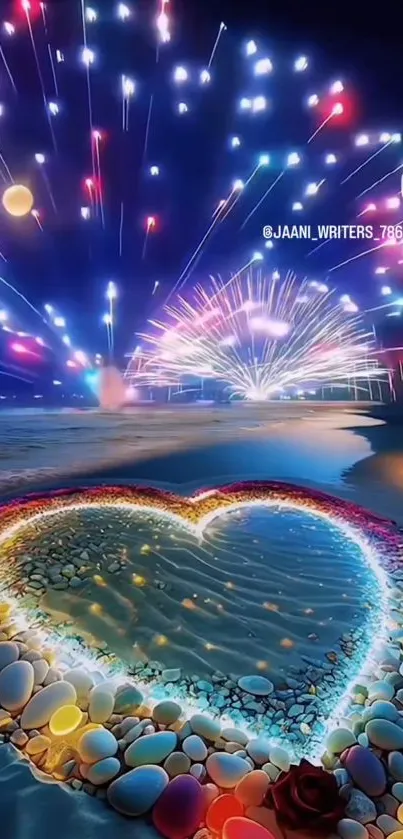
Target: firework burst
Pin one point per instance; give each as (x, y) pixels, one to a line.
(260, 337)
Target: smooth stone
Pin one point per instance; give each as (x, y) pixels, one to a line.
(384, 734)
(205, 727)
(226, 770)
(339, 740)
(397, 835)
(259, 750)
(374, 832)
(166, 712)
(395, 765)
(366, 770)
(38, 744)
(96, 745)
(350, 829)
(127, 700)
(9, 653)
(16, 685)
(44, 704)
(136, 792)
(256, 685)
(240, 828)
(382, 710)
(171, 674)
(151, 748)
(234, 735)
(101, 705)
(397, 791)
(177, 763)
(194, 747)
(280, 758)
(360, 808)
(81, 681)
(252, 788)
(41, 670)
(381, 690)
(180, 809)
(103, 771)
(388, 824)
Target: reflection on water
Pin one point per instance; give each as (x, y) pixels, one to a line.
(264, 588)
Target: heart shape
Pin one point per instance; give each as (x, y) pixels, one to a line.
(325, 685)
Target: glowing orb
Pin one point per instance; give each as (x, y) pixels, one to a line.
(18, 200)
(65, 720)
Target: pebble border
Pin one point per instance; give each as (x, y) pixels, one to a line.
(122, 746)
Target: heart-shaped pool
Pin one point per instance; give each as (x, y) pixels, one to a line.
(195, 595)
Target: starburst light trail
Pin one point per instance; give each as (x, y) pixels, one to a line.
(260, 336)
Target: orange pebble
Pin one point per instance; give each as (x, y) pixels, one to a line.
(221, 809)
(252, 788)
(210, 792)
(241, 828)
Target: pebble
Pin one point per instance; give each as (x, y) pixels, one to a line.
(103, 771)
(97, 744)
(397, 791)
(177, 763)
(198, 771)
(136, 792)
(226, 770)
(235, 735)
(43, 704)
(221, 809)
(360, 808)
(241, 828)
(37, 744)
(9, 653)
(384, 734)
(252, 788)
(395, 765)
(382, 710)
(19, 738)
(259, 750)
(16, 685)
(101, 704)
(127, 700)
(171, 675)
(194, 747)
(41, 669)
(180, 809)
(166, 712)
(257, 685)
(380, 690)
(366, 770)
(81, 681)
(350, 829)
(339, 740)
(151, 748)
(388, 824)
(280, 758)
(205, 727)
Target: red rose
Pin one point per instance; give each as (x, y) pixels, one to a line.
(306, 798)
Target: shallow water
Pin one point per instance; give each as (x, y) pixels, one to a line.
(264, 588)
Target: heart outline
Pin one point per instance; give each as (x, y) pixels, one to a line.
(379, 544)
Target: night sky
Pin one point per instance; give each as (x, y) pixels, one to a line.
(69, 263)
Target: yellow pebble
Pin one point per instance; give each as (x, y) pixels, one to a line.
(399, 814)
(65, 720)
(398, 834)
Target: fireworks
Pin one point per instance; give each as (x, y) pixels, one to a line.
(260, 337)
(173, 168)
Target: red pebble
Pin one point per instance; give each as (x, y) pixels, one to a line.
(241, 828)
(180, 809)
(222, 809)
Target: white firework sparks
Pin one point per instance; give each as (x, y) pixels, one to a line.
(259, 337)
